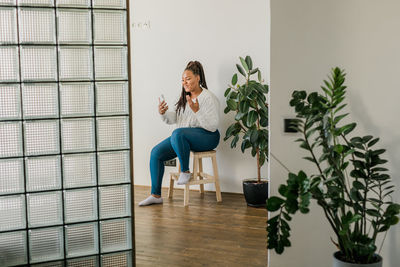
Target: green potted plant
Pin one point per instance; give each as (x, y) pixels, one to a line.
(350, 184)
(249, 103)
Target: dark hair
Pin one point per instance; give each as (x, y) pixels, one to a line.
(197, 69)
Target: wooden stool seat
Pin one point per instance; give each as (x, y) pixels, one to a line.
(198, 177)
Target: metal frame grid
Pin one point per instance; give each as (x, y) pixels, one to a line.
(58, 120)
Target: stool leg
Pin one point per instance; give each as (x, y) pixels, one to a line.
(195, 167)
(186, 196)
(201, 177)
(171, 187)
(216, 177)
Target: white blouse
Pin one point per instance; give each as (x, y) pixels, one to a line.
(207, 117)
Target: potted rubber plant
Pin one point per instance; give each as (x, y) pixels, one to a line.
(248, 100)
(350, 182)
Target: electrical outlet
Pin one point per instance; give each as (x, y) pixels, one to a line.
(288, 126)
(170, 163)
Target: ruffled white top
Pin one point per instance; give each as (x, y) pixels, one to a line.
(207, 117)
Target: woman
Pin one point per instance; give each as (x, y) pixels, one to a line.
(196, 117)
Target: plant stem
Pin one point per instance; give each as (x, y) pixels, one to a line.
(258, 166)
(283, 165)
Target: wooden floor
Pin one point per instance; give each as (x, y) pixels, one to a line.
(206, 233)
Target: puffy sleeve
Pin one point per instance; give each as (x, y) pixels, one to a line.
(208, 114)
(169, 117)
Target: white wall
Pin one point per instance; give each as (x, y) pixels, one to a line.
(214, 32)
(308, 38)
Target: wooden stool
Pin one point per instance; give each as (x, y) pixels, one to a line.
(198, 177)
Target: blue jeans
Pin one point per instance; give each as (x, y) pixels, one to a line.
(180, 143)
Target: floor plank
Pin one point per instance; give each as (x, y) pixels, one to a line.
(206, 233)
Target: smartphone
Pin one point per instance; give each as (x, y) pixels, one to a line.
(162, 98)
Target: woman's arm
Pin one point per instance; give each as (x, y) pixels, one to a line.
(169, 117)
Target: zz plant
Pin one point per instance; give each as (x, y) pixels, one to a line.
(350, 183)
(249, 102)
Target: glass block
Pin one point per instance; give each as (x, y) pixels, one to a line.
(112, 98)
(109, 3)
(38, 63)
(75, 63)
(76, 99)
(11, 176)
(10, 102)
(12, 213)
(36, 26)
(50, 264)
(121, 259)
(77, 135)
(79, 170)
(7, 2)
(80, 205)
(46, 244)
(40, 100)
(81, 239)
(84, 262)
(115, 235)
(114, 201)
(9, 67)
(36, 2)
(8, 25)
(43, 173)
(10, 139)
(13, 248)
(41, 137)
(44, 209)
(114, 167)
(109, 27)
(112, 133)
(111, 63)
(73, 3)
(74, 26)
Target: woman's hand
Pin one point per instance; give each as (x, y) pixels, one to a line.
(193, 105)
(162, 107)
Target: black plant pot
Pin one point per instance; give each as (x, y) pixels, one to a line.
(255, 193)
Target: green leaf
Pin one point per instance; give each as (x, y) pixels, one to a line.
(338, 118)
(259, 75)
(378, 152)
(264, 121)
(234, 141)
(245, 145)
(310, 159)
(373, 212)
(239, 116)
(232, 130)
(283, 189)
(232, 104)
(274, 203)
(244, 106)
(226, 110)
(373, 142)
(347, 128)
(358, 185)
(367, 138)
(253, 71)
(234, 79)
(251, 118)
(227, 91)
(244, 64)
(254, 136)
(240, 69)
(249, 62)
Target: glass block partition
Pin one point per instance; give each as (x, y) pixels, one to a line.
(65, 141)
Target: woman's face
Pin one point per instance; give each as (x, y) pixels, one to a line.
(190, 82)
